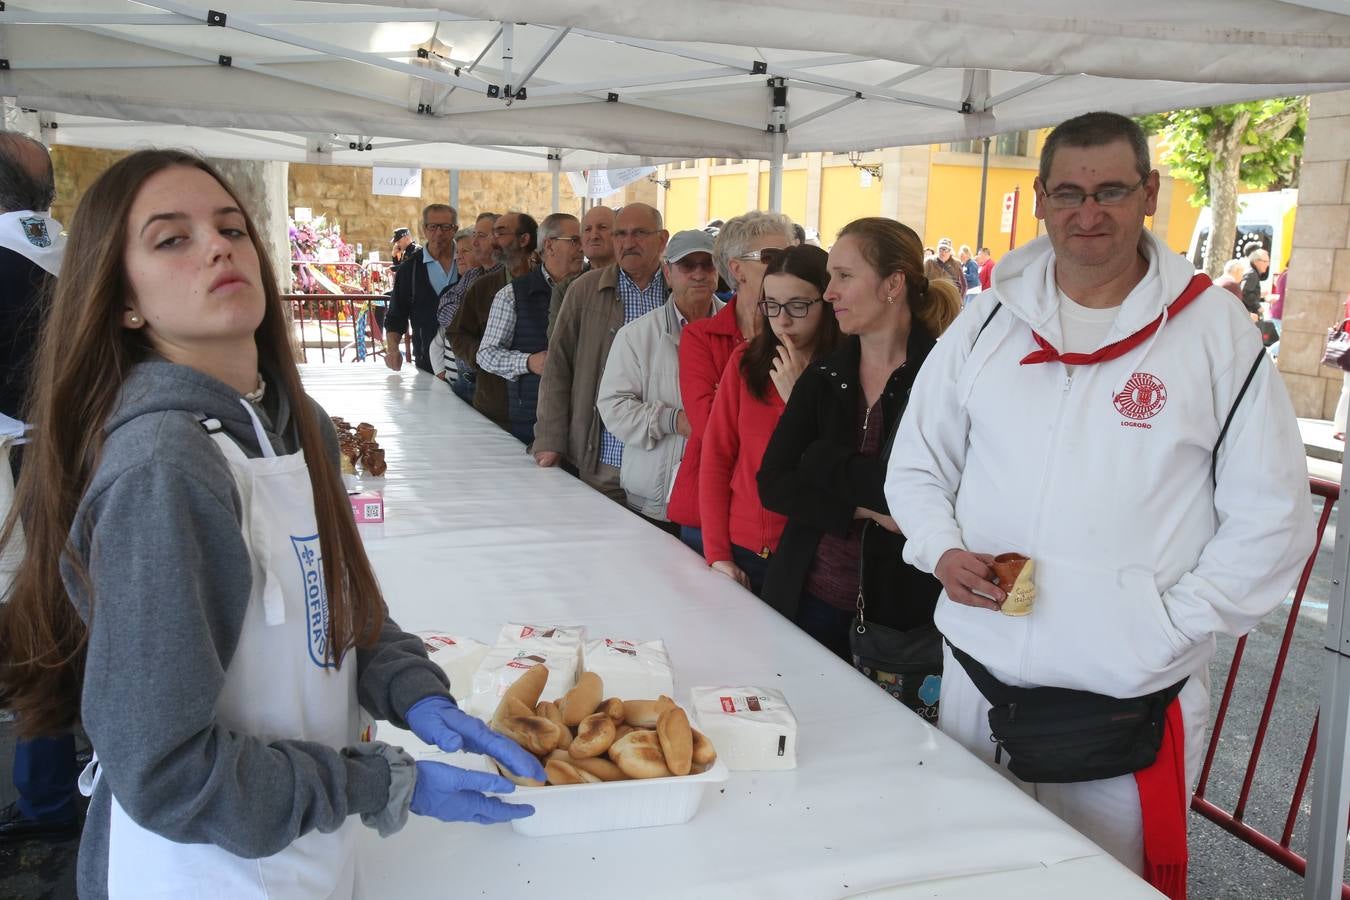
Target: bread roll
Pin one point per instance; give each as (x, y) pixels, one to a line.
(526, 689)
(594, 735)
(641, 713)
(561, 772)
(549, 710)
(582, 700)
(704, 754)
(677, 740)
(512, 776)
(514, 707)
(599, 767)
(638, 755)
(613, 707)
(535, 733)
(623, 729)
(664, 703)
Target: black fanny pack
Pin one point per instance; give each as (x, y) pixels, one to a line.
(1058, 735)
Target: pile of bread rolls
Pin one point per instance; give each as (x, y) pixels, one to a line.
(586, 739)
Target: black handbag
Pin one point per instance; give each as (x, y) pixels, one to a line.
(905, 664)
(1059, 736)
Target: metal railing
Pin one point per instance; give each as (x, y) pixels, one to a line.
(1234, 822)
(340, 324)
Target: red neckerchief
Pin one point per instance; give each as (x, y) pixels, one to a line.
(1047, 353)
(1163, 800)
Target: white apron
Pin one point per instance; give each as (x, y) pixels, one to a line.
(276, 687)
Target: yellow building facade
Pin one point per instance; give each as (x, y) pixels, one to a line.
(933, 189)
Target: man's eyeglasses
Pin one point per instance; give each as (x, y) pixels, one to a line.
(798, 309)
(1071, 199)
(640, 234)
(766, 256)
(433, 227)
(688, 265)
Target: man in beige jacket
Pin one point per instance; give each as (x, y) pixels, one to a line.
(597, 305)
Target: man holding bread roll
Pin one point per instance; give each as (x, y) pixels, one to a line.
(1110, 415)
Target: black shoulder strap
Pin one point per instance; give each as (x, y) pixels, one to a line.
(995, 691)
(1214, 456)
(998, 304)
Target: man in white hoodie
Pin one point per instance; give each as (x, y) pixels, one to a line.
(1076, 413)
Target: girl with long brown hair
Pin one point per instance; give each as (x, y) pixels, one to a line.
(825, 466)
(739, 534)
(195, 591)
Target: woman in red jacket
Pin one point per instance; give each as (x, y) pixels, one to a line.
(739, 534)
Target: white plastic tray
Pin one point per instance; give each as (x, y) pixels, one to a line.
(610, 805)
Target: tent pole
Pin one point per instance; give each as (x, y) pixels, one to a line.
(984, 190)
(1331, 771)
(555, 166)
(454, 188)
(778, 128)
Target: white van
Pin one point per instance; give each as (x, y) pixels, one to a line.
(1266, 218)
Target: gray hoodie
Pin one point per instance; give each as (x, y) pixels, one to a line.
(159, 531)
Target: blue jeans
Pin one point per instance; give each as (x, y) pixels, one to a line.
(464, 385)
(44, 775)
(693, 538)
(753, 565)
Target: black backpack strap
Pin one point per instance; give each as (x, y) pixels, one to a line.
(1214, 456)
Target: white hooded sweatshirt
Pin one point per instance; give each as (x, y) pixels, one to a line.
(1102, 476)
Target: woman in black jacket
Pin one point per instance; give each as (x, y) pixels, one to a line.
(826, 462)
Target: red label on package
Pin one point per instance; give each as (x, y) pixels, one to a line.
(733, 705)
(728, 706)
(525, 661)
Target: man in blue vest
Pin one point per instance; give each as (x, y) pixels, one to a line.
(420, 281)
(515, 340)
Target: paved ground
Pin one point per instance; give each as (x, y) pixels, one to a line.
(1221, 865)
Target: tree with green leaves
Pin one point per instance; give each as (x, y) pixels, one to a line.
(1216, 148)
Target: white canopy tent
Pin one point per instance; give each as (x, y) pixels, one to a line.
(632, 83)
(641, 82)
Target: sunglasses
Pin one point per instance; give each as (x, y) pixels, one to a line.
(766, 256)
(688, 265)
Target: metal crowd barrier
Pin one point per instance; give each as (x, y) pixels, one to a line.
(1234, 821)
(341, 324)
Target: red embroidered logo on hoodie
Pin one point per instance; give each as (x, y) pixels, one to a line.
(1144, 397)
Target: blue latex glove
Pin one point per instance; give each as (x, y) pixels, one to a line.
(438, 721)
(452, 794)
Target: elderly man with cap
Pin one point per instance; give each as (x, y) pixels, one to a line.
(639, 399)
(401, 244)
(944, 265)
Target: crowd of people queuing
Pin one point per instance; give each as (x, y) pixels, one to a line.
(851, 435)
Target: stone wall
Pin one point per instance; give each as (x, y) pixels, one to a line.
(1319, 272)
(343, 193)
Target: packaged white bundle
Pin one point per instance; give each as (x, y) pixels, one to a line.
(518, 648)
(751, 727)
(630, 670)
(458, 657)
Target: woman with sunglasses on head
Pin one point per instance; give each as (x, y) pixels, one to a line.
(739, 534)
(194, 585)
(825, 465)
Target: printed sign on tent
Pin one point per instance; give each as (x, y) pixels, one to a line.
(396, 181)
(596, 184)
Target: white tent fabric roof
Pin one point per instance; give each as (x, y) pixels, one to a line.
(643, 81)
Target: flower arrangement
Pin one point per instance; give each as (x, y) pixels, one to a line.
(323, 263)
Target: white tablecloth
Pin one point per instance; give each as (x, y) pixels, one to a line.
(477, 536)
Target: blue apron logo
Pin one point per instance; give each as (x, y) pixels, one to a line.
(316, 598)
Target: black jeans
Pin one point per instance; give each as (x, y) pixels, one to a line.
(827, 624)
(753, 565)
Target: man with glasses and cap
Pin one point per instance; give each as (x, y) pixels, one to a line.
(426, 274)
(1109, 414)
(944, 265)
(639, 399)
(597, 305)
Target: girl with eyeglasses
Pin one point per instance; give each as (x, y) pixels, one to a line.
(739, 534)
(825, 464)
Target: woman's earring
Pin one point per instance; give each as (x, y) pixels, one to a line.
(134, 319)
(890, 298)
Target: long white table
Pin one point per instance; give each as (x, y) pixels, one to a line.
(881, 804)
